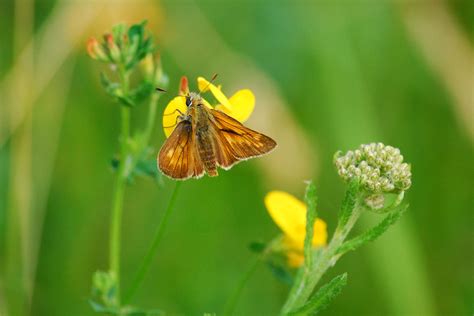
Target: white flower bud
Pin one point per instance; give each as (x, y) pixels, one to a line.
(379, 168)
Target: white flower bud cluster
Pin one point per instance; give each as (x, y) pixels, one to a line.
(379, 168)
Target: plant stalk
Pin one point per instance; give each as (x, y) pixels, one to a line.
(118, 195)
(147, 260)
(301, 291)
(232, 302)
(151, 116)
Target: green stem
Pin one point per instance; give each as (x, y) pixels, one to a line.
(118, 195)
(147, 260)
(234, 298)
(151, 116)
(301, 291)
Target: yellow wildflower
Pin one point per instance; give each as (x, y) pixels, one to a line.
(289, 214)
(239, 106)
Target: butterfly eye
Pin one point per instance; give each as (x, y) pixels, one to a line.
(188, 101)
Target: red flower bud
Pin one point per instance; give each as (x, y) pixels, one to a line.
(183, 86)
(109, 39)
(113, 48)
(95, 50)
(91, 43)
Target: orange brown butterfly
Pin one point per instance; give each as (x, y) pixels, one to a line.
(205, 139)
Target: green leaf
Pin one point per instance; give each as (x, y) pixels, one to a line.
(145, 48)
(280, 272)
(125, 100)
(137, 31)
(145, 165)
(257, 246)
(141, 159)
(311, 215)
(136, 34)
(118, 31)
(141, 92)
(104, 290)
(322, 298)
(146, 168)
(124, 311)
(133, 311)
(114, 163)
(99, 308)
(114, 89)
(139, 45)
(374, 232)
(110, 87)
(348, 203)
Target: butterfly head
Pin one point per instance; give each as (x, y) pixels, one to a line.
(193, 98)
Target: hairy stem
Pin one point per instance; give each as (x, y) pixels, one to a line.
(147, 260)
(328, 257)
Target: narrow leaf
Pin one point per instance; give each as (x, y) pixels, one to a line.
(374, 232)
(142, 91)
(99, 308)
(137, 31)
(281, 273)
(257, 246)
(118, 31)
(348, 203)
(323, 297)
(311, 202)
(125, 100)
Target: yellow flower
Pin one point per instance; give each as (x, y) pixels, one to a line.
(289, 214)
(239, 106)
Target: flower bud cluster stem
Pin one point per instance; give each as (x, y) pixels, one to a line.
(324, 258)
(128, 50)
(119, 188)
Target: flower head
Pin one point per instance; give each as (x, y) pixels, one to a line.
(379, 168)
(124, 45)
(239, 106)
(289, 214)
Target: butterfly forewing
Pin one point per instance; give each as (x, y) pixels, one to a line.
(235, 142)
(178, 158)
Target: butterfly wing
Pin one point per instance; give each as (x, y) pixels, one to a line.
(234, 142)
(178, 158)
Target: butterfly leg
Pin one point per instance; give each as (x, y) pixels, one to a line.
(175, 110)
(182, 117)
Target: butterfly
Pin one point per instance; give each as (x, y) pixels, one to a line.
(205, 139)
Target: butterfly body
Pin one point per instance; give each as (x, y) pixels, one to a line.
(204, 139)
(205, 145)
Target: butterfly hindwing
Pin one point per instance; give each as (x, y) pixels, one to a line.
(178, 158)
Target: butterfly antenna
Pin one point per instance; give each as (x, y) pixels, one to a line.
(160, 89)
(208, 84)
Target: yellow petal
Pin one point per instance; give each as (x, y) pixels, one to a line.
(295, 259)
(320, 233)
(206, 103)
(289, 214)
(295, 256)
(204, 85)
(171, 113)
(243, 103)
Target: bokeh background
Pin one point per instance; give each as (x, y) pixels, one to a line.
(328, 76)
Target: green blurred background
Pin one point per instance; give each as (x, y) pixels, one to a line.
(327, 75)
